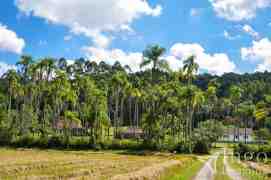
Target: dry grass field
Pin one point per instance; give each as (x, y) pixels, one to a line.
(54, 164)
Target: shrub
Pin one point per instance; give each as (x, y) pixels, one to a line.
(106, 144)
(182, 147)
(125, 144)
(257, 152)
(201, 147)
(56, 141)
(5, 137)
(26, 141)
(41, 142)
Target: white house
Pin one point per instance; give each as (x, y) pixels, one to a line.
(237, 135)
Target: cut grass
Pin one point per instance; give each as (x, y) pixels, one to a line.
(55, 164)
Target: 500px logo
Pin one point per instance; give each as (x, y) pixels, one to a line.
(249, 156)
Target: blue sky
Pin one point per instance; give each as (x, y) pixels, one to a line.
(225, 35)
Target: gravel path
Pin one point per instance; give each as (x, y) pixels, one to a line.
(234, 175)
(207, 172)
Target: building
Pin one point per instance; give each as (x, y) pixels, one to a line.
(74, 128)
(131, 133)
(237, 135)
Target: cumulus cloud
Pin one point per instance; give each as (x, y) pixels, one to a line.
(67, 37)
(111, 56)
(218, 63)
(229, 36)
(259, 52)
(214, 64)
(42, 42)
(9, 41)
(132, 59)
(195, 12)
(5, 67)
(249, 30)
(238, 10)
(92, 18)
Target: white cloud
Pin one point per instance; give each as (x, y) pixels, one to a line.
(218, 63)
(237, 10)
(5, 67)
(111, 56)
(259, 52)
(92, 18)
(214, 64)
(269, 24)
(195, 12)
(67, 37)
(132, 59)
(9, 41)
(42, 42)
(174, 63)
(249, 30)
(228, 36)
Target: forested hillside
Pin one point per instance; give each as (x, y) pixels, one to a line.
(47, 99)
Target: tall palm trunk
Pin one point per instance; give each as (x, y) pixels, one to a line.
(116, 114)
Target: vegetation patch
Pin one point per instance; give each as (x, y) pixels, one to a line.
(245, 171)
(221, 169)
(54, 164)
(186, 170)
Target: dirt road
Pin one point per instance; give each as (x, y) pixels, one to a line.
(207, 172)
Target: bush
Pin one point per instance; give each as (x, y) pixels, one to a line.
(106, 144)
(42, 142)
(182, 147)
(5, 137)
(125, 144)
(25, 141)
(257, 152)
(201, 147)
(56, 142)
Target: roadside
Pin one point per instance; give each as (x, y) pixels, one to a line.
(220, 164)
(232, 173)
(186, 172)
(243, 169)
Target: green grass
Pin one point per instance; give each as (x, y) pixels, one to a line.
(220, 169)
(185, 172)
(246, 172)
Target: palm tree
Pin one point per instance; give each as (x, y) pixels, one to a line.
(62, 64)
(13, 87)
(152, 56)
(246, 110)
(91, 67)
(103, 68)
(190, 68)
(79, 66)
(49, 64)
(120, 85)
(25, 63)
(235, 96)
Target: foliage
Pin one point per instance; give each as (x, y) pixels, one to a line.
(51, 103)
(253, 152)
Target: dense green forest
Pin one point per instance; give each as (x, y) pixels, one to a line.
(43, 101)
